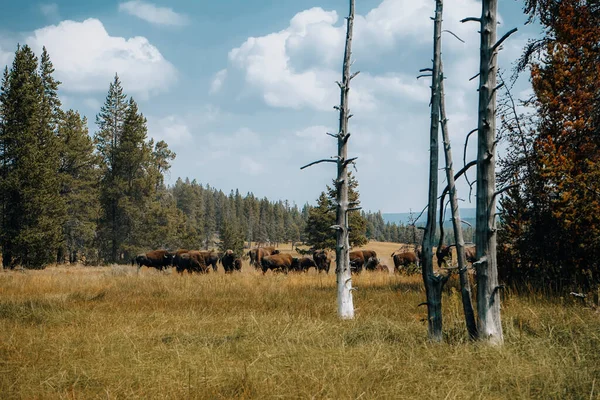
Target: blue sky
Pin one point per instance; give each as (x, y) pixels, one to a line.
(243, 90)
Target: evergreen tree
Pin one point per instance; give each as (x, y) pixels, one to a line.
(135, 212)
(190, 201)
(232, 237)
(135, 183)
(357, 224)
(210, 217)
(31, 204)
(318, 227)
(110, 122)
(79, 176)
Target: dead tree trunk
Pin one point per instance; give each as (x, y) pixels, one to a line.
(465, 287)
(343, 206)
(489, 326)
(488, 298)
(433, 283)
(342, 249)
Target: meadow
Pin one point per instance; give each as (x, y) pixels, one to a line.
(109, 332)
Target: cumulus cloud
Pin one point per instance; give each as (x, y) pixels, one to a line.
(296, 67)
(218, 80)
(153, 14)
(86, 58)
(172, 129)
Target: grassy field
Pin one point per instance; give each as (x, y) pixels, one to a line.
(108, 332)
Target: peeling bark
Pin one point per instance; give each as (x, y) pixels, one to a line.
(433, 283)
(488, 299)
(342, 250)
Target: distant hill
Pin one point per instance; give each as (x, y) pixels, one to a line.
(466, 214)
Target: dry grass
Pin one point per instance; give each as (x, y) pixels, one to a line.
(92, 332)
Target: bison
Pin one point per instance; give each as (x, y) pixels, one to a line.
(228, 260)
(177, 256)
(256, 255)
(159, 259)
(237, 264)
(322, 260)
(283, 262)
(192, 261)
(442, 253)
(471, 254)
(371, 264)
(303, 264)
(360, 258)
(211, 258)
(404, 259)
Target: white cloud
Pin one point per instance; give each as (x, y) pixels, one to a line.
(218, 80)
(153, 14)
(86, 58)
(297, 67)
(172, 129)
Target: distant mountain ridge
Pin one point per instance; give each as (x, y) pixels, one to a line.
(466, 214)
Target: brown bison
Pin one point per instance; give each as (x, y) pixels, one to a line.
(228, 260)
(283, 262)
(192, 261)
(404, 259)
(361, 258)
(237, 264)
(471, 254)
(442, 253)
(177, 256)
(159, 259)
(322, 260)
(371, 264)
(211, 258)
(256, 255)
(303, 264)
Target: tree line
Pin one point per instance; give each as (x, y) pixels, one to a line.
(66, 195)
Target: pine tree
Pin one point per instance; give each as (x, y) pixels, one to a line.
(110, 122)
(31, 205)
(356, 222)
(135, 182)
(79, 176)
(318, 227)
(210, 217)
(232, 237)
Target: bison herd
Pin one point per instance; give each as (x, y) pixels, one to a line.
(269, 258)
(188, 260)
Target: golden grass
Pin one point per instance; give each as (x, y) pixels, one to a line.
(107, 332)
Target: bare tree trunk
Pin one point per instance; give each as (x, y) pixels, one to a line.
(488, 298)
(343, 206)
(465, 287)
(342, 250)
(433, 283)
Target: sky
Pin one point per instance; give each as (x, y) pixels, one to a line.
(243, 90)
